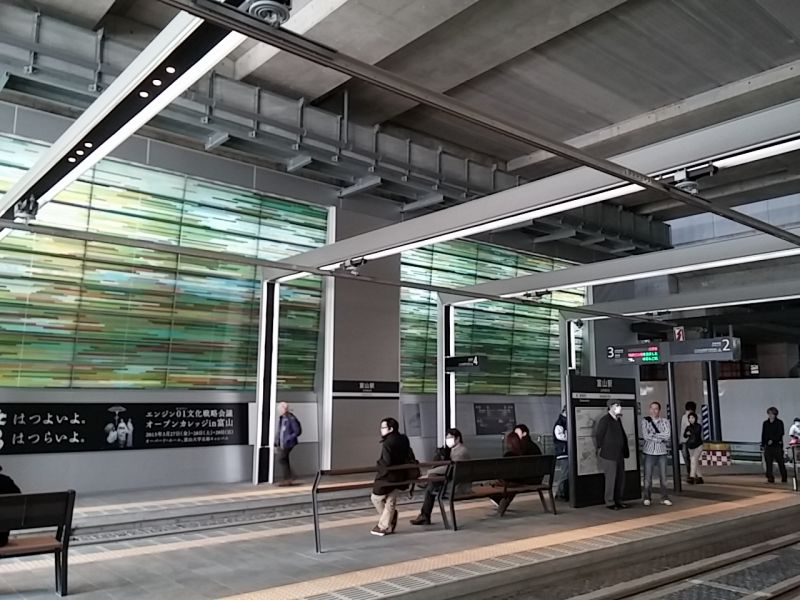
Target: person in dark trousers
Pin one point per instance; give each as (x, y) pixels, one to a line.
(513, 447)
(772, 444)
(395, 450)
(289, 429)
(528, 446)
(7, 486)
(612, 449)
(693, 440)
(458, 451)
(689, 408)
(561, 449)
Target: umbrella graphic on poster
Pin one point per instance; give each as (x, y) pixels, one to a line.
(118, 433)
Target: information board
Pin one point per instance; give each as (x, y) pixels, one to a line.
(637, 354)
(34, 428)
(494, 419)
(588, 404)
(711, 349)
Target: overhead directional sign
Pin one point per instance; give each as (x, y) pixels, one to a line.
(637, 354)
(708, 350)
(473, 362)
(712, 349)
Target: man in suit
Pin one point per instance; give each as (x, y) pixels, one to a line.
(612, 449)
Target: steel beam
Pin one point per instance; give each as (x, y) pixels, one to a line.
(555, 236)
(322, 55)
(667, 262)
(362, 185)
(428, 201)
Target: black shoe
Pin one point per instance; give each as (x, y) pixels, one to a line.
(420, 520)
(613, 507)
(393, 525)
(691, 481)
(784, 480)
(699, 480)
(622, 505)
(770, 481)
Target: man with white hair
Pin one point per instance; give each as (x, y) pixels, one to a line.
(289, 429)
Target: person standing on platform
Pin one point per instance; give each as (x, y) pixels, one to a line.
(529, 447)
(689, 408)
(693, 440)
(395, 451)
(772, 444)
(562, 459)
(289, 430)
(7, 486)
(612, 449)
(794, 432)
(458, 451)
(657, 434)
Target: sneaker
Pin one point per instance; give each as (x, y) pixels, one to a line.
(622, 505)
(666, 502)
(647, 502)
(393, 526)
(420, 520)
(378, 531)
(612, 507)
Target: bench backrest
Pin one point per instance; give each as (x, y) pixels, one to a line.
(37, 511)
(512, 468)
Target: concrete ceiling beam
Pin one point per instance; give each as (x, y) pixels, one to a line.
(473, 42)
(88, 13)
(368, 30)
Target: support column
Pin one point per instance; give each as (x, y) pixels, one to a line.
(446, 382)
(325, 372)
(267, 383)
(712, 392)
(674, 426)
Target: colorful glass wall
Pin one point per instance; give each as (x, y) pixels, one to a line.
(78, 314)
(521, 342)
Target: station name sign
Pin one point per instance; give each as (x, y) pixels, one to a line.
(724, 349)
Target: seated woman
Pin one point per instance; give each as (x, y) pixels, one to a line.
(513, 446)
(458, 451)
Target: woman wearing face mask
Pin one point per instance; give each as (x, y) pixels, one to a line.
(458, 451)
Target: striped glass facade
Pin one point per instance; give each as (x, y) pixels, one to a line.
(521, 342)
(85, 314)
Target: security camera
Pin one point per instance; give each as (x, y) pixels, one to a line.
(26, 209)
(579, 324)
(273, 12)
(352, 265)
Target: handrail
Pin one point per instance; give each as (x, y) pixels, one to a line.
(315, 488)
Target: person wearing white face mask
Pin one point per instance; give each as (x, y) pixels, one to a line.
(612, 450)
(458, 451)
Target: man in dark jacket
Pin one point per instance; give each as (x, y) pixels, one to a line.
(289, 429)
(7, 486)
(395, 450)
(612, 449)
(772, 444)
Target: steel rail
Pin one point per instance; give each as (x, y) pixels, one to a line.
(104, 238)
(235, 20)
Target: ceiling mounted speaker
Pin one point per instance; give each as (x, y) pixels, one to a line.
(272, 12)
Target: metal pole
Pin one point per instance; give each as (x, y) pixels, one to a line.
(676, 423)
(714, 410)
(228, 18)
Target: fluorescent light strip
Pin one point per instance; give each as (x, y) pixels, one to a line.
(759, 154)
(180, 85)
(292, 277)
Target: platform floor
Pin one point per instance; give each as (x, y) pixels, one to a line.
(277, 559)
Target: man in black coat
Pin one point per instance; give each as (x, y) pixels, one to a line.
(772, 432)
(612, 449)
(7, 486)
(395, 450)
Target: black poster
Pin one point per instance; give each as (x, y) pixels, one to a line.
(494, 419)
(40, 428)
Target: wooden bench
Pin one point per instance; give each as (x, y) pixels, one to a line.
(39, 511)
(505, 477)
(318, 488)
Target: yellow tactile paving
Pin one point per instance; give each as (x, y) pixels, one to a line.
(263, 492)
(411, 567)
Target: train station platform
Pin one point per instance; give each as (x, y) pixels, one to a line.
(275, 558)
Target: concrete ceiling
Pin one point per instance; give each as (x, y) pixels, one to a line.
(607, 75)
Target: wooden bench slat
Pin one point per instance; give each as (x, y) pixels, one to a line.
(38, 544)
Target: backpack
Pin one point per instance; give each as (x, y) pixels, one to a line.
(412, 472)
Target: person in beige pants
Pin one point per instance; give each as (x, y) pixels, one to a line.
(395, 450)
(693, 441)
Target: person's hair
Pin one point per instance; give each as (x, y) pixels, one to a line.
(513, 443)
(658, 404)
(523, 428)
(391, 423)
(772, 410)
(456, 434)
(692, 414)
(690, 406)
